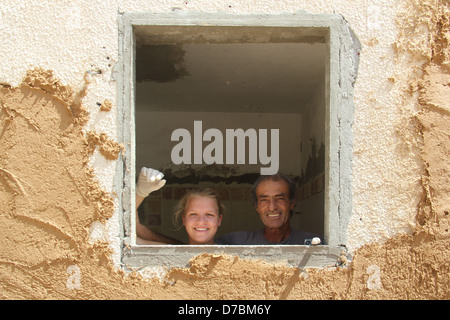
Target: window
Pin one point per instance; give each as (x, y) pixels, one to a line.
(195, 72)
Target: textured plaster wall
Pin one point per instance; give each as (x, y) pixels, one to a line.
(58, 151)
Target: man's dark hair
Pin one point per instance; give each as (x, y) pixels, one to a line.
(275, 177)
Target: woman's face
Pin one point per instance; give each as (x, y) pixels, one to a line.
(201, 219)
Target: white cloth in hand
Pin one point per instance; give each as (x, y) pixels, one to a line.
(149, 180)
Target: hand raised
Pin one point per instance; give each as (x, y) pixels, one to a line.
(149, 180)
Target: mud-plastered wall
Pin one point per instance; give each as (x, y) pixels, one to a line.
(60, 225)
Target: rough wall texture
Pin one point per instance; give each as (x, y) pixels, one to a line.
(51, 195)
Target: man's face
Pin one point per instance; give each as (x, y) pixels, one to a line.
(273, 203)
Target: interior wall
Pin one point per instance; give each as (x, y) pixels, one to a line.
(154, 145)
(311, 193)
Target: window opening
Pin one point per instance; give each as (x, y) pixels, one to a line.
(256, 88)
(236, 74)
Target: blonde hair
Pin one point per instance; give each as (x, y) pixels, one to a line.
(180, 208)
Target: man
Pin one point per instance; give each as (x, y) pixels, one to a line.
(274, 200)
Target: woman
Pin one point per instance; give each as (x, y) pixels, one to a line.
(201, 212)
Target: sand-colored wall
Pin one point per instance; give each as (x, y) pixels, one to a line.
(60, 226)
